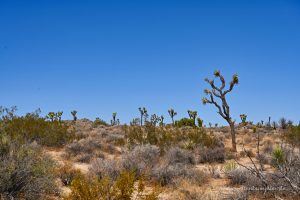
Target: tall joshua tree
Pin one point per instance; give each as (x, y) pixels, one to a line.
(51, 116)
(172, 114)
(192, 115)
(59, 114)
(74, 114)
(143, 112)
(223, 107)
(114, 120)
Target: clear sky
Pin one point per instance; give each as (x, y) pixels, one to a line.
(100, 57)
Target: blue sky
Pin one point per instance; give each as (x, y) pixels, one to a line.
(100, 57)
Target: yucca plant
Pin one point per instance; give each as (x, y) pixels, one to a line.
(278, 156)
(220, 93)
(172, 114)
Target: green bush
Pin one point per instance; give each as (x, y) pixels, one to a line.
(31, 128)
(185, 122)
(293, 136)
(93, 188)
(278, 156)
(99, 122)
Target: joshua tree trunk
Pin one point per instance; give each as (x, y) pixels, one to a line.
(173, 121)
(233, 140)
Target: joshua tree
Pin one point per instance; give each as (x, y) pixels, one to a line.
(243, 118)
(162, 120)
(275, 125)
(220, 93)
(74, 114)
(283, 123)
(172, 114)
(154, 119)
(192, 115)
(114, 121)
(200, 122)
(290, 123)
(58, 115)
(143, 112)
(51, 116)
(269, 122)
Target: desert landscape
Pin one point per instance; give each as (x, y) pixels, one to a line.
(50, 158)
(149, 100)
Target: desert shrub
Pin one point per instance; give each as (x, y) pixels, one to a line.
(293, 136)
(85, 157)
(198, 136)
(115, 139)
(105, 168)
(25, 172)
(167, 174)
(209, 155)
(249, 153)
(67, 174)
(283, 123)
(237, 195)
(263, 159)
(99, 122)
(93, 188)
(229, 155)
(134, 135)
(141, 159)
(242, 153)
(85, 149)
(164, 137)
(185, 122)
(177, 155)
(31, 128)
(268, 147)
(230, 166)
(237, 176)
(213, 171)
(278, 156)
(247, 139)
